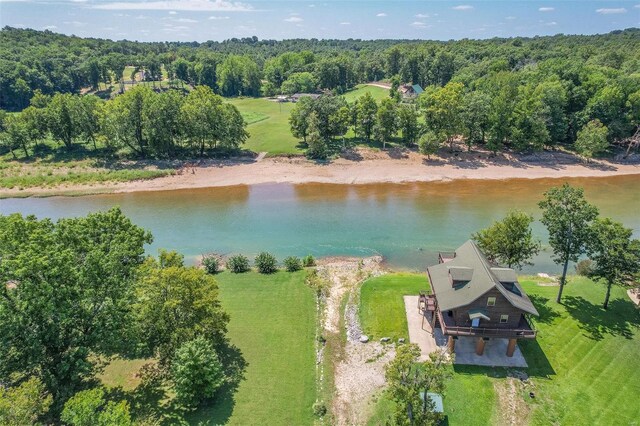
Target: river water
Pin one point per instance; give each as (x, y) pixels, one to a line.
(406, 223)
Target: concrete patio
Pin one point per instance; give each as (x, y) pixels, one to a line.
(421, 334)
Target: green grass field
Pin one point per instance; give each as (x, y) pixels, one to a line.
(273, 320)
(584, 365)
(268, 125)
(382, 307)
(378, 93)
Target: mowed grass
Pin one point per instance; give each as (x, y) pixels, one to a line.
(382, 311)
(378, 93)
(273, 320)
(268, 125)
(584, 365)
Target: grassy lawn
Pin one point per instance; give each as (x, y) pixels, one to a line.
(273, 325)
(378, 93)
(584, 365)
(268, 125)
(382, 312)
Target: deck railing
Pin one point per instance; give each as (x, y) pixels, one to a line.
(525, 330)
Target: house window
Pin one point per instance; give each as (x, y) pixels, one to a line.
(491, 301)
(504, 319)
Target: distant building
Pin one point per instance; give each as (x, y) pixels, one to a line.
(296, 96)
(472, 297)
(410, 91)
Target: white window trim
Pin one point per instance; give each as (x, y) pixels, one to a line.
(489, 301)
(504, 317)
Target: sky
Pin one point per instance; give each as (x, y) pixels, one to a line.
(201, 20)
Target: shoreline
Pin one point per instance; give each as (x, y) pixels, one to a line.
(360, 167)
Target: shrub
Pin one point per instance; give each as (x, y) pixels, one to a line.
(211, 264)
(319, 409)
(266, 263)
(292, 264)
(197, 372)
(238, 264)
(308, 260)
(584, 267)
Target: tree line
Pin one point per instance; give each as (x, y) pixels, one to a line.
(142, 121)
(79, 292)
(501, 110)
(35, 60)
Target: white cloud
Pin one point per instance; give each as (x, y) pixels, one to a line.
(419, 24)
(345, 23)
(185, 5)
(381, 15)
(550, 24)
(312, 5)
(637, 6)
(186, 20)
(546, 9)
(606, 11)
(510, 18)
(218, 18)
(49, 27)
(173, 12)
(463, 7)
(423, 15)
(75, 23)
(294, 19)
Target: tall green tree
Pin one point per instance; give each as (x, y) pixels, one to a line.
(386, 120)
(123, 119)
(443, 110)
(410, 381)
(62, 118)
(568, 218)
(408, 123)
(238, 76)
(175, 304)
(509, 241)
(592, 139)
(92, 408)
(615, 254)
(201, 115)
(196, 371)
(475, 117)
(24, 404)
(68, 298)
(317, 145)
(298, 120)
(366, 116)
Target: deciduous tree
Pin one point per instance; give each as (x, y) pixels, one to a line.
(509, 241)
(568, 217)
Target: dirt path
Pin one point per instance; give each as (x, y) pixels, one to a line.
(510, 392)
(358, 367)
(378, 84)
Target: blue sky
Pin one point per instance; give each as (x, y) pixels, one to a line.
(200, 20)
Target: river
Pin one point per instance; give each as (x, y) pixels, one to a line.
(406, 223)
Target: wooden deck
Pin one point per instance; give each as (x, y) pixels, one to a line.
(524, 330)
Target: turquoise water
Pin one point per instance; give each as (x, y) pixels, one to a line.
(406, 223)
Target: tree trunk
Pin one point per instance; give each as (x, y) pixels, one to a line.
(606, 297)
(563, 280)
(24, 148)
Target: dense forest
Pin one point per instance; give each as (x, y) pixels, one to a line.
(522, 93)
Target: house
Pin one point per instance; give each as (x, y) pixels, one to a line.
(410, 91)
(472, 297)
(296, 97)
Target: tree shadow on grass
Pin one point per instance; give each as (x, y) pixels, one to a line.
(154, 401)
(619, 320)
(547, 313)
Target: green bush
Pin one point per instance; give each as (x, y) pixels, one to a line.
(238, 264)
(308, 260)
(584, 267)
(266, 263)
(197, 372)
(292, 264)
(211, 264)
(319, 409)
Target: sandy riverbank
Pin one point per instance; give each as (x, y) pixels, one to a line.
(358, 167)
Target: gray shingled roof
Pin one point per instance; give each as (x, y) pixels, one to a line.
(482, 279)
